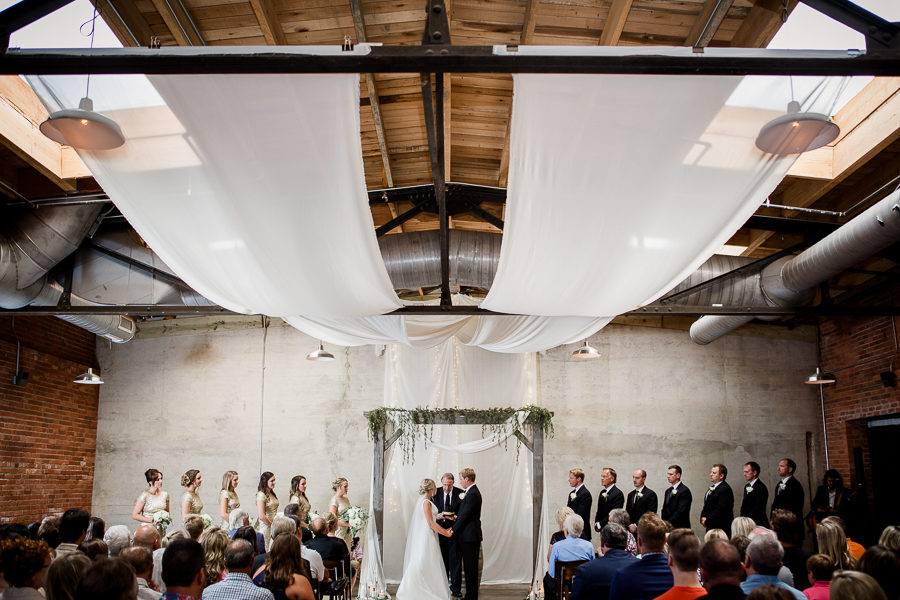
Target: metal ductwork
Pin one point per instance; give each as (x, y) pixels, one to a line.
(791, 281)
(36, 242)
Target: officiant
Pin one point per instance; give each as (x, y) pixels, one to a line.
(447, 500)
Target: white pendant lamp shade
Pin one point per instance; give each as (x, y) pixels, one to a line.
(82, 128)
(796, 132)
(320, 354)
(586, 352)
(89, 378)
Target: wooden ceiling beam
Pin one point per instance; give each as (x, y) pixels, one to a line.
(708, 22)
(762, 23)
(125, 21)
(179, 22)
(268, 22)
(615, 22)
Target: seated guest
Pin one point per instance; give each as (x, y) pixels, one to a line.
(853, 585)
(147, 536)
(72, 529)
(890, 538)
(25, 564)
(141, 560)
(49, 532)
(741, 542)
(784, 574)
(96, 529)
(820, 569)
(214, 541)
(573, 547)
(884, 565)
(720, 570)
(182, 570)
(833, 543)
(764, 560)
(592, 579)
(856, 550)
(715, 534)
(107, 579)
(684, 560)
(94, 549)
(650, 576)
(770, 592)
(326, 544)
(561, 513)
(280, 526)
(789, 531)
(246, 533)
(239, 556)
(64, 575)
(117, 538)
(286, 576)
(620, 516)
(240, 518)
(194, 526)
(295, 510)
(313, 559)
(742, 526)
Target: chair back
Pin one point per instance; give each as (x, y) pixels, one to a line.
(565, 573)
(339, 587)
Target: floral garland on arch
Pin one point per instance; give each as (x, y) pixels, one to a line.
(418, 423)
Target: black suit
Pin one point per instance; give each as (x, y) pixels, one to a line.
(614, 499)
(582, 507)
(790, 498)
(755, 502)
(636, 507)
(467, 531)
(677, 507)
(449, 547)
(718, 508)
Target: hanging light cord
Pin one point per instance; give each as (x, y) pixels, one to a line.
(92, 22)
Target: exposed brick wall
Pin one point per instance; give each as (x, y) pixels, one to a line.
(48, 437)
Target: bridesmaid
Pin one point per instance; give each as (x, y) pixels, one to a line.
(340, 503)
(151, 500)
(298, 496)
(190, 501)
(266, 505)
(228, 498)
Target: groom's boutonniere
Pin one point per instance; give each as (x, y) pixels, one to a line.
(462, 496)
(572, 496)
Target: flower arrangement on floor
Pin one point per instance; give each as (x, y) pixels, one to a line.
(373, 591)
(161, 520)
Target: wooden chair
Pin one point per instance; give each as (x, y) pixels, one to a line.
(565, 572)
(336, 569)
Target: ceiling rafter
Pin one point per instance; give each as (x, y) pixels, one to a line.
(179, 21)
(615, 22)
(268, 22)
(126, 22)
(765, 19)
(707, 23)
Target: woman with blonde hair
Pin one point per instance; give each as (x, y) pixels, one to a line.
(214, 542)
(715, 534)
(424, 577)
(833, 544)
(340, 503)
(854, 585)
(190, 501)
(742, 526)
(890, 538)
(561, 513)
(228, 498)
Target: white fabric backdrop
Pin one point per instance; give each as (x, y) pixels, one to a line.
(448, 375)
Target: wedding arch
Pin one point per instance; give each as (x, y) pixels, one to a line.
(529, 425)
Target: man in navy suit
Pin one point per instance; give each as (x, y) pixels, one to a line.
(650, 577)
(592, 579)
(447, 500)
(789, 491)
(467, 531)
(610, 498)
(580, 500)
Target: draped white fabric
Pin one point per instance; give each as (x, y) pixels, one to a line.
(448, 375)
(622, 185)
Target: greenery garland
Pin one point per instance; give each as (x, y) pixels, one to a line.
(418, 423)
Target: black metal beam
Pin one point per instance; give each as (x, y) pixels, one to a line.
(813, 230)
(400, 219)
(130, 310)
(423, 59)
(158, 273)
(882, 33)
(25, 13)
(475, 209)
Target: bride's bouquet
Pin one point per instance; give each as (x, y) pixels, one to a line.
(161, 520)
(357, 517)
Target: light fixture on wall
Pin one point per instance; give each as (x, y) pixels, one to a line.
(320, 354)
(796, 132)
(586, 352)
(820, 378)
(89, 378)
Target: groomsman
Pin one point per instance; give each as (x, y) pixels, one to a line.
(447, 501)
(640, 500)
(677, 501)
(718, 506)
(580, 500)
(467, 531)
(610, 498)
(756, 496)
(789, 492)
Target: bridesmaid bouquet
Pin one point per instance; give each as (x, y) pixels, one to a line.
(161, 520)
(357, 517)
(207, 520)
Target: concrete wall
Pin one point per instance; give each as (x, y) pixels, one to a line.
(193, 401)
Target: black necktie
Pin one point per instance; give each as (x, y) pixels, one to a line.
(446, 501)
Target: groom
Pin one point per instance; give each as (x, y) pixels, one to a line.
(467, 531)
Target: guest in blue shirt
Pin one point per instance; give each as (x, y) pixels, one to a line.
(649, 577)
(573, 547)
(764, 558)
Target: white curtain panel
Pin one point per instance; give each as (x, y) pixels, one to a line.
(445, 376)
(621, 185)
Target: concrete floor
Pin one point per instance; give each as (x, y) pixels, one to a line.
(511, 591)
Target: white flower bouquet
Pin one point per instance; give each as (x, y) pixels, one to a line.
(207, 520)
(161, 520)
(357, 517)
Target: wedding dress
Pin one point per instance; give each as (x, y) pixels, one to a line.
(424, 576)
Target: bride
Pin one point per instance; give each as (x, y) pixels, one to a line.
(424, 576)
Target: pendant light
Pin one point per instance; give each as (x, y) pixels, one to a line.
(586, 352)
(819, 378)
(320, 354)
(796, 132)
(89, 378)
